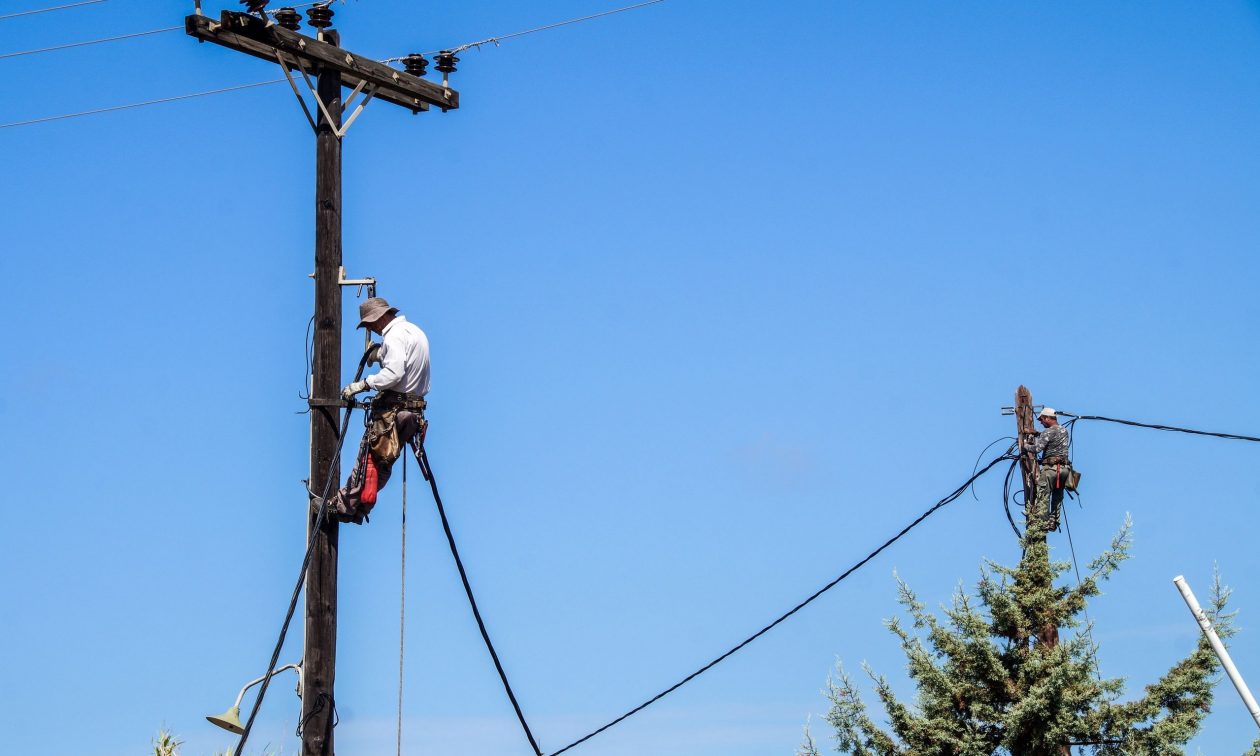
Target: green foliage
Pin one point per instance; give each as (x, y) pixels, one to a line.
(997, 678)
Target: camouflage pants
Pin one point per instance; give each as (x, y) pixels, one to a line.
(1051, 480)
(388, 433)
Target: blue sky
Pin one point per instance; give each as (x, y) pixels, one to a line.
(720, 296)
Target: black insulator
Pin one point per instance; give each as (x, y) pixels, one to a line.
(446, 62)
(320, 16)
(416, 64)
(255, 6)
(288, 18)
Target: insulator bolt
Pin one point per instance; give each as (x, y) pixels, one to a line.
(255, 6)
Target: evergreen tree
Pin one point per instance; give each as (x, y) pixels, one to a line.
(995, 678)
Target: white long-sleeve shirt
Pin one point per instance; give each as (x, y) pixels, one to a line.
(404, 359)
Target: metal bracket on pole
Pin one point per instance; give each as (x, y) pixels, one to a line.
(345, 126)
(368, 282)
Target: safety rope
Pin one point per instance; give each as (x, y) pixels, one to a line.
(423, 458)
(402, 603)
(862, 562)
(316, 526)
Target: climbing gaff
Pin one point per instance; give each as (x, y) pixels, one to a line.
(230, 720)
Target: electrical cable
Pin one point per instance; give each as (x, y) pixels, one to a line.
(315, 528)
(950, 498)
(980, 456)
(87, 42)
(1089, 630)
(129, 106)
(49, 10)
(110, 109)
(1008, 498)
(1155, 426)
(117, 38)
(425, 468)
(496, 40)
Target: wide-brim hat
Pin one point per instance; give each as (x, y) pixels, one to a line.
(373, 309)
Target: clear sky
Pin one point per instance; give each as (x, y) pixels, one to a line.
(720, 296)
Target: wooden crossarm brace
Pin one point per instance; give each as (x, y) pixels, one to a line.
(252, 35)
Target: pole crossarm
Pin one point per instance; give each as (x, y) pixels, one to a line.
(252, 35)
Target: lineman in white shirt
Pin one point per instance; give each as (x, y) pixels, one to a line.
(397, 415)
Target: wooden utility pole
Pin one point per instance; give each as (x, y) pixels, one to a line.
(301, 57)
(320, 657)
(1048, 636)
(1027, 459)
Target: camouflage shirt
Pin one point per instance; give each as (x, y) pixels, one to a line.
(1052, 442)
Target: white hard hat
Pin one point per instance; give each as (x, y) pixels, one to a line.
(1047, 412)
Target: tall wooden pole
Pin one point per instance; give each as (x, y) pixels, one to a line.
(1027, 459)
(320, 656)
(1048, 635)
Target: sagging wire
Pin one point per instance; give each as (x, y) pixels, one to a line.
(496, 40)
(116, 38)
(980, 456)
(1157, 426)
(49, 10)
(958, 492)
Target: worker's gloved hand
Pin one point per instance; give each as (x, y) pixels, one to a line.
(358, 387)
(374, 354)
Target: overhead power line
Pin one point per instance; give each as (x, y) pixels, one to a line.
(1155, 426)
(130, 106)
(862, 562)
(496, 40)
(62, 117)
(49, 10)
(116, 38)
(87, 42)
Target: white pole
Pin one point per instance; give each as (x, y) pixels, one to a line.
(1206, 625)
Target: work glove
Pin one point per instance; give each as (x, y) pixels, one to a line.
(358, 387)
(374, 354)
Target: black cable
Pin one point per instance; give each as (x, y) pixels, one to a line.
(304, 394)
(1089, 623)
(1155, 426)
(951, 497)
(980, 456)
(423, 459)
(1008, 497)
(306, 561)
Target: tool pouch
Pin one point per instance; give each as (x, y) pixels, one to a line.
(1072, 479)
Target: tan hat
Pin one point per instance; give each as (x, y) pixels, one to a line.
(373, 309)
(1047, 412)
